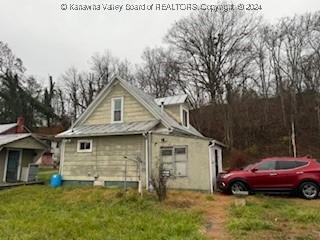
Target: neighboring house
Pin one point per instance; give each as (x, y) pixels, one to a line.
(47, 134)
(124, 126)
(19, 149)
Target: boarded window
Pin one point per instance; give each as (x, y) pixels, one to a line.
(181, 161)
(167, 159)
(117, 109)
(175, 159)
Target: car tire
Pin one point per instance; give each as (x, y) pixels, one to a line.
(309, 190)
(238, 186)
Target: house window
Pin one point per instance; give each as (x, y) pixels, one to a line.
(84, 146)
(185, 117)
(175, 160)
(117, 109)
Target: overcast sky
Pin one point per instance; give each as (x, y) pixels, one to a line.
(50, 40)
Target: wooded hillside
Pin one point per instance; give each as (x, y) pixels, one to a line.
(259, 128)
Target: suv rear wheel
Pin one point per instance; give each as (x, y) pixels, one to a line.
(238, 186)
(309, 190)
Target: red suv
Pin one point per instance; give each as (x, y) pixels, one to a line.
(277, 174)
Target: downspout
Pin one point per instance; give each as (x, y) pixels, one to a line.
(150, 155)
(147, 136)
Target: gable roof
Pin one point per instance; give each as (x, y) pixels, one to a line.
(146, 100)
(6, 127)
(172, 100)
(9, 138)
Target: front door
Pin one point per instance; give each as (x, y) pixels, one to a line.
(13, 166)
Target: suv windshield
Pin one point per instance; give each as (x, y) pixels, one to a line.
(247, 167)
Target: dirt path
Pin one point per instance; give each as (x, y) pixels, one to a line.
(215, 210)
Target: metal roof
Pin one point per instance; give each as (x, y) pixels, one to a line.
(146, 100)
(172, 100)
(9, 138)
(109, 129)
(6, 127)
(150, 104)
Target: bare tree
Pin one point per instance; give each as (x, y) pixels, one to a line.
(214, 47)
(8, 61)
(71, 81)
(262, 69)
(104, 67)
(159, 72)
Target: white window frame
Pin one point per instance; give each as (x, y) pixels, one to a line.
(6, 163)
(174, 161)
(181, 116)
(112, 109)
(84, 141)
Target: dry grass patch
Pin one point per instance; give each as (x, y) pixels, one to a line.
(267, 217)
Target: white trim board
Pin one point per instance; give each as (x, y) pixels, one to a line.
(183, 108)
(112, 109)
(84, 141)
(6, 163)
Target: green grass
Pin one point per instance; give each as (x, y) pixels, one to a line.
(45, 174)
(277, 216)
(40, 212)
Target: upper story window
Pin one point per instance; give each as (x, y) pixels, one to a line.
(185, 117)
(117, 109)
(84, 146)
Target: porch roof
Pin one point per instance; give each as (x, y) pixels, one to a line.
(109, 129)
(9, 138)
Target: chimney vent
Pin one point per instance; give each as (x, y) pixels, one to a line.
(162, 106)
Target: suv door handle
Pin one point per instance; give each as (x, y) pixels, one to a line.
(273, 174)
(299, 172)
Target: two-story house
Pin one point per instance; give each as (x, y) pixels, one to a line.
(123, 136)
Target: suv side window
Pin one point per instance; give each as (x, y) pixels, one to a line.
(271, 165)
(301, 163)
(283, 165)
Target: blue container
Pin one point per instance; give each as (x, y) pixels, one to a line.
(56, 180)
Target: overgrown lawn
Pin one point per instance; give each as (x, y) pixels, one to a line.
(40, 212)
(276, 218)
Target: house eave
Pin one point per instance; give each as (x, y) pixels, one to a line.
(101, 134)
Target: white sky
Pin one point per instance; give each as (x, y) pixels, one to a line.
(50, 40)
